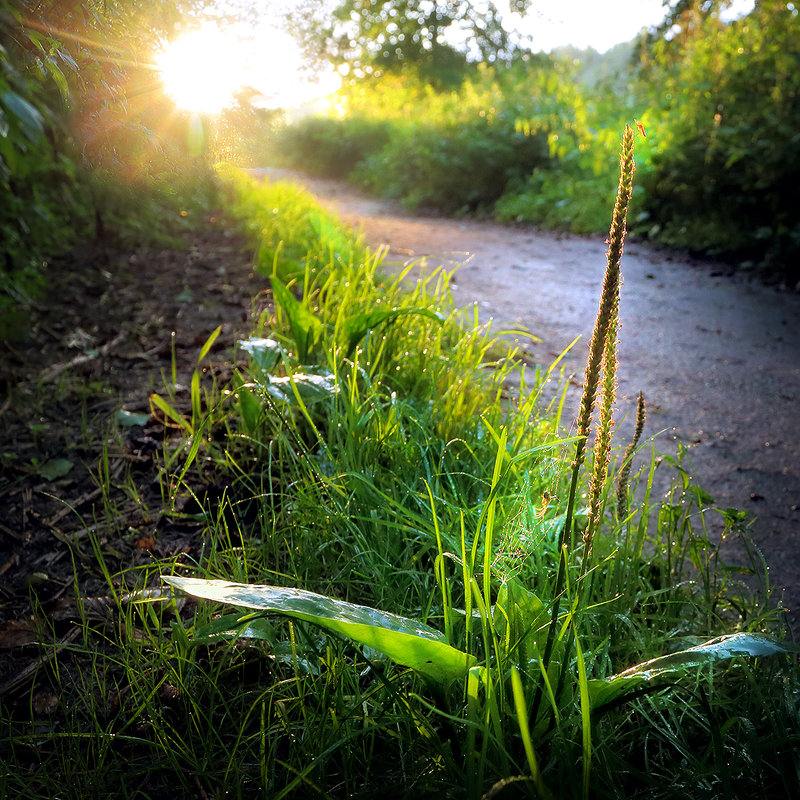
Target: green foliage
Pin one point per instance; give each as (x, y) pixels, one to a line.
(526, 141)
(470, 524)
(717, 167)
(33, 178)
(386, 470)
(725, 172)
(450, 150)
(453, 167)
(372, 36)
(243, 134)
(405, 640)
(330, 147)
(77, 162)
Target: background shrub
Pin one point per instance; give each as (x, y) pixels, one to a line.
(454, 167)
(331, 148)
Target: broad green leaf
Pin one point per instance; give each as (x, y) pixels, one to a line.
(54, 468)
(237, 624)
(356, 327)
(526, 614)
(128, 419)
(406, 641)
(607, 690)
(311, 388)
(249, 409)
(265, 353)
(30, 120)
(305, 326)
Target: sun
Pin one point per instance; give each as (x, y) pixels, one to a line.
(203, 69)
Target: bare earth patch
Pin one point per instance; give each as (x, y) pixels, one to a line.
(76, 414)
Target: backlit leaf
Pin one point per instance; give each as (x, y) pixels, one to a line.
(406, 641)
(310, 388)
(607, 690)
(306, 328)
(357, 326)
(265, 353)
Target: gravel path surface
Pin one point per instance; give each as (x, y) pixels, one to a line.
(717, 355)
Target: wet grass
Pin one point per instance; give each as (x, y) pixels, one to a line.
(365, 449)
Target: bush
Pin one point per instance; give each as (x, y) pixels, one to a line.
(329, 147)
(725, 180)
(453, 167)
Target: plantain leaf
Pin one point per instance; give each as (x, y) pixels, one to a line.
(524, 612)
(311, 388)
(265, 353)
(237, 624)
(250, 409)
(406, 641)
(603, 691)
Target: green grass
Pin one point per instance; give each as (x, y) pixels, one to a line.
(367, 453)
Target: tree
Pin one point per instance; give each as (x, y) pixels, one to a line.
(436, 37)
(726, 171)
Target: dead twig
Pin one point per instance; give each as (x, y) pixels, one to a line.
(72, 506)
(56, 369)
(21, 678)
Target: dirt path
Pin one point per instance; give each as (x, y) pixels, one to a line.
(717, 356)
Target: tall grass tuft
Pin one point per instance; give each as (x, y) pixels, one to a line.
(601, 360)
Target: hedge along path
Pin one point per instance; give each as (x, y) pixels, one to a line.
(717, 354)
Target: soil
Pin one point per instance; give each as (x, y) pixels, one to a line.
(716, 353)
(100, 341)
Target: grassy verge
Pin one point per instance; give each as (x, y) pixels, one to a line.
(366, 455)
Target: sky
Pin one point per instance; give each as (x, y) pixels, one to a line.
(599, 24)
(587, 23)
(267, 59)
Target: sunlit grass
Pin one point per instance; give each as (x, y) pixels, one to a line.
(406, 481)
